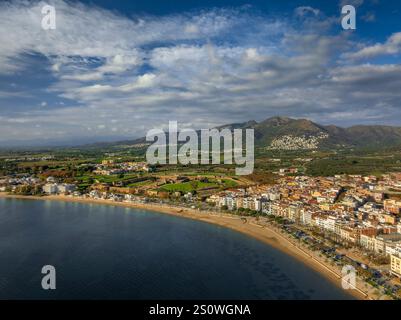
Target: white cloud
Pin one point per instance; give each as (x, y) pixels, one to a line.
(355, 3)
(86, 32)
(123, 76)
(303, 11)
(369, 17)
(390, 47)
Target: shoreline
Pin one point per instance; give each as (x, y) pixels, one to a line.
(263, 233)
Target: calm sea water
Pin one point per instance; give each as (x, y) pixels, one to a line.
(110, 252)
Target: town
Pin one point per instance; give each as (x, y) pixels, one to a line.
(341, 219)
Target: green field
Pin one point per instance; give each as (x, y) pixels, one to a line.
(372, 164)
(198, 185)
(188, 186)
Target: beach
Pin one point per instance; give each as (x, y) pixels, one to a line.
(251, 227)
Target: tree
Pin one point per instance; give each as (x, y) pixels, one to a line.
(398, 293)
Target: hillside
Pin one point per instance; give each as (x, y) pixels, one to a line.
(283, 133)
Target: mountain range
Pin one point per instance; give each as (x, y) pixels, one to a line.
(294, 134)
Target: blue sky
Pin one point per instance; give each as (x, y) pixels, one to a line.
(115, 69)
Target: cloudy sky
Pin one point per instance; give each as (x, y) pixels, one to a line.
(115, 69)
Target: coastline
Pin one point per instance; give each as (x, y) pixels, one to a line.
(263, 233)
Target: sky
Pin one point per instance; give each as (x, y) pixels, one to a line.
(113, 70)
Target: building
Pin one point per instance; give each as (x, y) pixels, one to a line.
(330, 224)
(392, 206)
(65, 188)
(306, 217)
(54, 188)
(294, 212)
(385, 241)
(266, 207)
(274, 196)
(385, 218)
(258, 204)
(214, 198)
(50, 188)
(350, 234)
(396, 264)
(367, 242)
(391, 250)
(230, 203)
(107, 162)
(254, 204)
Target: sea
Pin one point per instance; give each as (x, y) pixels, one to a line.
(112, 252)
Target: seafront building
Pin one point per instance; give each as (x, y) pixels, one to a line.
(58, 188)
(350, 207)
(396, 264)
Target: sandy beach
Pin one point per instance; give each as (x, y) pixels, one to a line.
(264, 233)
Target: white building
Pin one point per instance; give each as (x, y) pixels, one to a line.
(368, 242)
(227, 201)
(274, 196)
(50, 188)
(65, 188)
(385, 242)
(54, 188)
(257, 205)
(320, 222)
(266, 207)
(330, 224)
(231, 203)
(393, 250)
(306, 217)
(295, 212)
(396, 264)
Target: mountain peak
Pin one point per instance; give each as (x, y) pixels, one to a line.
(277, 121)
(241, 125)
